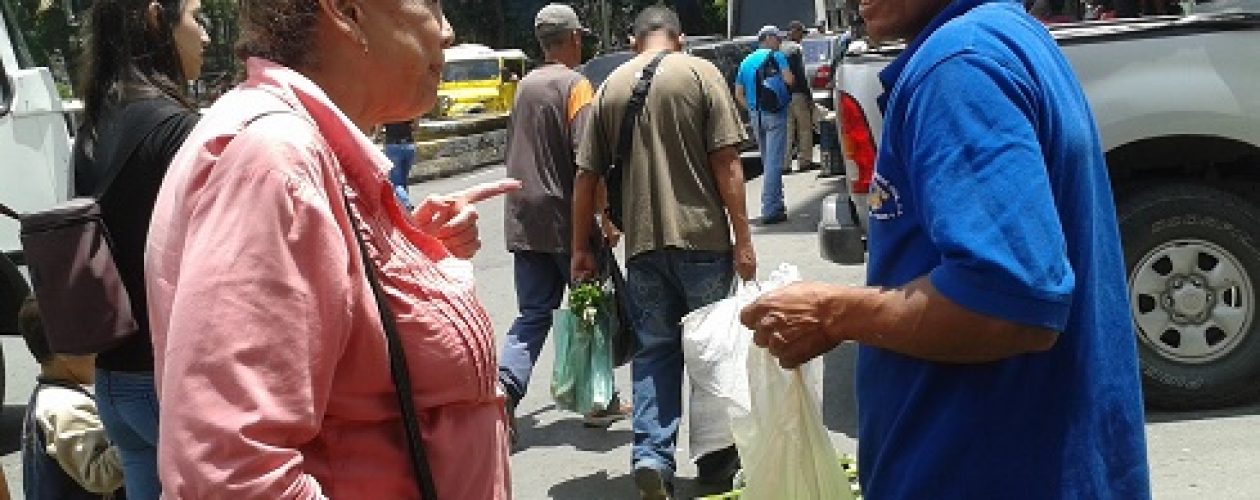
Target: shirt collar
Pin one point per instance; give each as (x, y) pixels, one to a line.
(362, 162)
(890, 74)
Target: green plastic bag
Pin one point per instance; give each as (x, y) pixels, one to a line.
(582, 374)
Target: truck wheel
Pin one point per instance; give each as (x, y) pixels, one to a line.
(1193, 262)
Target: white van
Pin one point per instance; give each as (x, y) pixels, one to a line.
(34, 158)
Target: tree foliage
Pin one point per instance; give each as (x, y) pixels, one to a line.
(51, 29)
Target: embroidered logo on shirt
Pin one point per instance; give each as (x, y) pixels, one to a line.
(885, 200)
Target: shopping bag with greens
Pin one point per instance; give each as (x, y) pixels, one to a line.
(582, 375)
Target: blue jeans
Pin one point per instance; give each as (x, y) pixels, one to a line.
(771, 132)
(402, 156)
(540, 282)
(664, 286)
(128, 406)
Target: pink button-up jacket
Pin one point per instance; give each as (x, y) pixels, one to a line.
(271, 363)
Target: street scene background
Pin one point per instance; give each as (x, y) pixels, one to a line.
(1193, 455)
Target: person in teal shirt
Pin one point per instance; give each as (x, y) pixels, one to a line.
(769, 119)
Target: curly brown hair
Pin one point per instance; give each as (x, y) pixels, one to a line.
(282, 31)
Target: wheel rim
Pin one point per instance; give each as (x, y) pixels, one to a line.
(1192, 301)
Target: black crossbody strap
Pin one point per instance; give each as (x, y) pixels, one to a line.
(634, 107)
(397, 370)
(638, 97)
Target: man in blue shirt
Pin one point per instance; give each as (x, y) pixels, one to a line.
(769, 119)
(998, 359)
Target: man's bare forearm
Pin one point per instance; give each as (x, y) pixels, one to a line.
(918, 321)
(729, 173)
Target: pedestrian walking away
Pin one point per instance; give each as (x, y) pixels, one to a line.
(681, 192)
(140, 54)
(761, 87)
(800, 125)
(400, 148)
(996, 309)
(326, 342)
(549, 117)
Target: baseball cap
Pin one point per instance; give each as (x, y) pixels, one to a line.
(769, 30)
(557, 17)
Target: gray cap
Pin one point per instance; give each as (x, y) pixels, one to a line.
(769, 30)
(557, 17)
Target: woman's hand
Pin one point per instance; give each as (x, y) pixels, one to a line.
(452, 218)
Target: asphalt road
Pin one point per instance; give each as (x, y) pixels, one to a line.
(1195, 455)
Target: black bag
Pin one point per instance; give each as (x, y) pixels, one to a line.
(612, 178)
(624, 342)
(68, 250)
(769, 75)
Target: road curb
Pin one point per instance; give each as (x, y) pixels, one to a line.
(456, 155)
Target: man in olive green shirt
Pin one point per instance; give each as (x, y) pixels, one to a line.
(685, 222)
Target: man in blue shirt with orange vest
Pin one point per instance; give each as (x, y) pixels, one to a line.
(997, 356)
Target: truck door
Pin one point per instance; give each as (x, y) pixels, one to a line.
(34, 142)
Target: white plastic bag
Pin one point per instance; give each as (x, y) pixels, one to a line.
(777, 426)
(715, 346)
(715, 349)
(784, 447)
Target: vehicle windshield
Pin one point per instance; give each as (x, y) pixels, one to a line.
(816, 50)
(463, 71)
(1219, 6)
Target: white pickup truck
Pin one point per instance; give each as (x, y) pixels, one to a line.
(1177, 102)
(34, 159)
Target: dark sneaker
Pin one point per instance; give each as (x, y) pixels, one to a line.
(772, 219)
(652, 483)
(601, 419)
(719, 467)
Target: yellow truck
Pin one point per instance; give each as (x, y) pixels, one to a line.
(478, 79)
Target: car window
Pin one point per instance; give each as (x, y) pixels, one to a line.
(816, 50)
(463, 71)
(1215, 6)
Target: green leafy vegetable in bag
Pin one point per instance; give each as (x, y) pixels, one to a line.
(585, 301)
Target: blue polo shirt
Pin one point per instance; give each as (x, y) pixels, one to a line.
(747, 77)
(991, 180)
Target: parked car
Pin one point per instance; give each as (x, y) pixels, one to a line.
(1178, 108)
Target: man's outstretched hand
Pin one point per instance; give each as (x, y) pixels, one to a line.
(792, 322)
(452, 218)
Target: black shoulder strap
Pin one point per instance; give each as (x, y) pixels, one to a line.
(398, 370)
(123, 142)
(637, 99)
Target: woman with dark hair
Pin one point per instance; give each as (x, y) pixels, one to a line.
(279, 263)
(139, 56)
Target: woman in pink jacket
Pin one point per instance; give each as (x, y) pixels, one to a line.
(271, 362)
